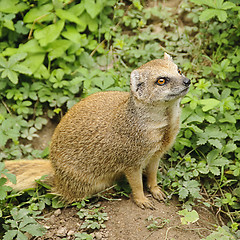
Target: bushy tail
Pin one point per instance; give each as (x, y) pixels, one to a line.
(27, 171)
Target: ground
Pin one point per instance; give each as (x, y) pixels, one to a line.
(126, 220)
(129, 222)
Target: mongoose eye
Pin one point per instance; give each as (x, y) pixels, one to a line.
(180, 71)
(161, 81)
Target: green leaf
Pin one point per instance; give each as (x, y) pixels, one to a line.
(34, 229)
(21, 69)
(37, 12)
(31, 46)
(77, 9)
(216, 143)
(222, 15)
(58, 48)
(213, 131)
(67, 15)
(11, 75)
(73, 35)
(212, 155)
(34, 61)
(16, 58)
(92, 8)
(10, 234)
(214, 170)
(12, 6)
(202, 168)
(228, 118)
(230, 147)
(21, 236)
(86, 20)
(3, 139)
(210, 119)
(9, 24)
(228, 5)
(56, 203)
(188, 217)
(207, 14)
(86, 60)
(183, 193)
(11, 177)
(209, 104)
(3, 192)
(40, 122)
(49, 33)
(3, 62)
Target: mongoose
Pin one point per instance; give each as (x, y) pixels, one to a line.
(110, 134)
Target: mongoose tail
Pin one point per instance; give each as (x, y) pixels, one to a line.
(27, 171)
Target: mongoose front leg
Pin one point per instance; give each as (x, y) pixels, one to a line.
(151, 173)
(134, 177)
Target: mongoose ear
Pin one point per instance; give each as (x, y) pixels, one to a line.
(167, 57)
(136, 85)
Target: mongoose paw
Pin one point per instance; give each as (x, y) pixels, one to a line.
(157, 193)
(144, 203)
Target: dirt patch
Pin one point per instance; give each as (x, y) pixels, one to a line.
(45, 135)
(129, 222)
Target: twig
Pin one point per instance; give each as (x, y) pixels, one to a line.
(98, 46)
(149, 235)
(34, 22)
(103, 191)
(165, 50)
(5, 105)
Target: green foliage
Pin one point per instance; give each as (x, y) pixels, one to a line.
(222, 233)
(93, 217)
(14, 221)
(43, 46)
(216, 9)
(155, 223)
(83, 236)
(21, 223)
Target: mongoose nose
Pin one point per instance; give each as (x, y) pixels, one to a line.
(186, 82)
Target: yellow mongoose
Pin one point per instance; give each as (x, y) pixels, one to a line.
(109, 134)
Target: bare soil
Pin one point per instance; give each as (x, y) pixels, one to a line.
(126, 220)
(129, 222)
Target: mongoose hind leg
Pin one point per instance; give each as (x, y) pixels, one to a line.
(134, 177)
(151, 173)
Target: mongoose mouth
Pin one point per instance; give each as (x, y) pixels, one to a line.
(179, 94)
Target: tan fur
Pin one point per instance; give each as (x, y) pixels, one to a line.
(28, 171)
(109, 134)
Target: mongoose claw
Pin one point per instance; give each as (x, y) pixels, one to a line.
(157, 193)
(144, 203)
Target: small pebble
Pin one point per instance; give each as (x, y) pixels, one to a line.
(47, 227)
(57, 212)
(98, 235)
(61, 232)
(52, 219)
(70, 233)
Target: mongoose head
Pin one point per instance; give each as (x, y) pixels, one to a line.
(159, 80)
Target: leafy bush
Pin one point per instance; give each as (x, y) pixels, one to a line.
(43, 45)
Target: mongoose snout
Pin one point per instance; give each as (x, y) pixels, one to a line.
(186, 82)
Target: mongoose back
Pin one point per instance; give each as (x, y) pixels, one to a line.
(110, 134)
